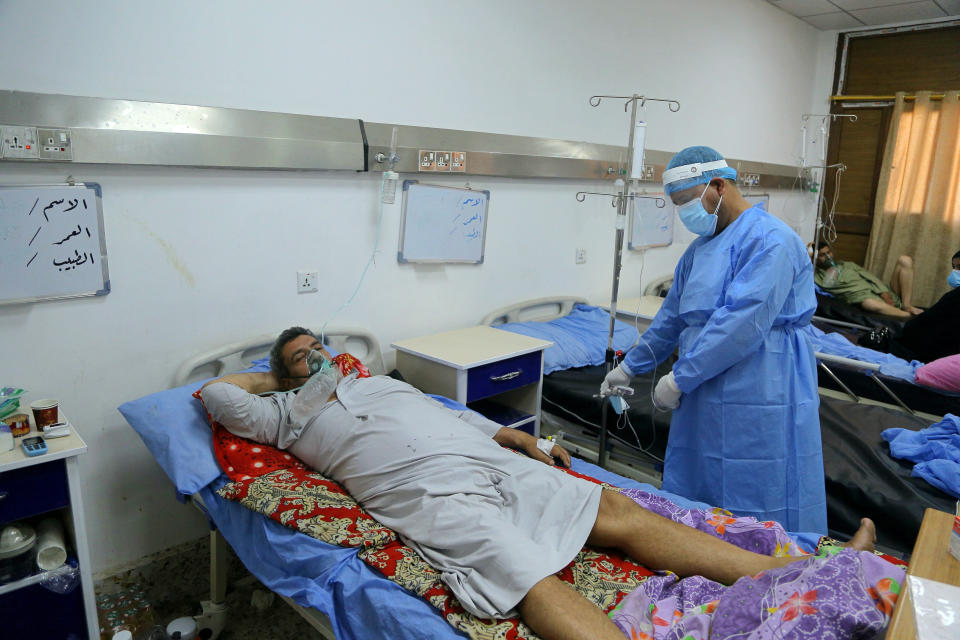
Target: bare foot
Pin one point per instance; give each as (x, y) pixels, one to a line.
(915, 311)
(865, 537)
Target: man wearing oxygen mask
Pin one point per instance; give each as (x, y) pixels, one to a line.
(745, 430)
(497, 526)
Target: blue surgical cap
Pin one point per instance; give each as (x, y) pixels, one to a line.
(698, 165)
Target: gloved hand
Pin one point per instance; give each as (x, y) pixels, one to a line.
(618, 377)
(667, 393)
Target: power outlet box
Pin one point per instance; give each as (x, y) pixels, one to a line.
(581, 256)
(19, 142)
(54, 144)
(307, 281)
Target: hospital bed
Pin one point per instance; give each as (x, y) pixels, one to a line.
(861, 477)
(859, 378)
(335, 591)
(831, 309)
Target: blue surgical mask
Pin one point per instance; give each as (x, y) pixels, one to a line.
(697, 219)
(954, 278)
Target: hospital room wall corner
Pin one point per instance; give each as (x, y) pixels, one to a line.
(203, 257)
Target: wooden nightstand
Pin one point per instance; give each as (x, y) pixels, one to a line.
(930, 559)
(496, 373)
(48, 484)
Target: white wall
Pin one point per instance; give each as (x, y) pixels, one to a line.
(203, 257)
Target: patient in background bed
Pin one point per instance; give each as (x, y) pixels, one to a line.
(853, 284)
(497, 525)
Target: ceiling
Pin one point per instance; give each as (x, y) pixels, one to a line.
(850, 14)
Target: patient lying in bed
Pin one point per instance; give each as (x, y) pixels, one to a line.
(498, 526)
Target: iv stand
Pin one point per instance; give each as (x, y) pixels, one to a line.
(824, 137)
(620, 200)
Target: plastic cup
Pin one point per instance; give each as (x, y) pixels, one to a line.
(51, 549)
(45, 412)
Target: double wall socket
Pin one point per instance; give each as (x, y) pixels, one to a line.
(307, 281)
(32, 143)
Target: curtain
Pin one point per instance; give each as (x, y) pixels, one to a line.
(917, 210)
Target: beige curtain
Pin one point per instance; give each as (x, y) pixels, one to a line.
(917, 209)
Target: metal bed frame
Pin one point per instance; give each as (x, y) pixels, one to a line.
(623, 460)
(235, 357)
(825, 359)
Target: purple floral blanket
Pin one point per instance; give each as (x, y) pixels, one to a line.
(839, 593)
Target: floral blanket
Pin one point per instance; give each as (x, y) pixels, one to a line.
(839, 594)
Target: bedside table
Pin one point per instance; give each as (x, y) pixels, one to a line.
(639, 311)
(48, 484)
(496, 373)
(930, 559)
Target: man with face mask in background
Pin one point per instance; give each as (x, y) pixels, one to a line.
(933, 334)
(745, 430)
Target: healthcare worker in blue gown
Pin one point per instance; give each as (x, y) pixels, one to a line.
(745, 431)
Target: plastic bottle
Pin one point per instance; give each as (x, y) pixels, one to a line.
(390, 187)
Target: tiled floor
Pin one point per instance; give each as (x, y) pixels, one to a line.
(176, 581)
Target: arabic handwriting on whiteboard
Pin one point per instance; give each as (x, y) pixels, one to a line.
(82, 249)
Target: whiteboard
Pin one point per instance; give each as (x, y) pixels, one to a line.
(442, 224)
(650, 225)
(51, 242)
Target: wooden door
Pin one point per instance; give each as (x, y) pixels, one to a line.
(860, 146)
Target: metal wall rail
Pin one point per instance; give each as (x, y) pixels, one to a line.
(73, 129)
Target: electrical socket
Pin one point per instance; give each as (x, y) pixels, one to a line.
(307, 281)
(581, 256)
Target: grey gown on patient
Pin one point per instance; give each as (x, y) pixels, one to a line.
(494, 523)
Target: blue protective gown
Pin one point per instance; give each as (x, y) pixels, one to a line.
(746, 435)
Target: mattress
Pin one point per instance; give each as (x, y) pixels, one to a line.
(833, 309)
(861, 477)
(573, 390)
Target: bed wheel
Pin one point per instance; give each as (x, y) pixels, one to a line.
(211, 621)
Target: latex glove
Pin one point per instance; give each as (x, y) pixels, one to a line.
(618, 377)
(667, 394)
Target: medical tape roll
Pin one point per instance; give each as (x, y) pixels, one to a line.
(545, 445)
(51, 548)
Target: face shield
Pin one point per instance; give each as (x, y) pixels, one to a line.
(692, 213)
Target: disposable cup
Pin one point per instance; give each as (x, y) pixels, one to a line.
(45, 412)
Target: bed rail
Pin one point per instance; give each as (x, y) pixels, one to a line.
(842, 323)
(659, 287)
(869, 368)
(539, 309)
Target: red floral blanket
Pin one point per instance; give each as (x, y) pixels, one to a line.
(278, 485)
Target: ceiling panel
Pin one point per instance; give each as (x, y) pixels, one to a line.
(900, 13)
(829, 21)
(853, 5)
(952, 7)
(846, 14)
(801, 8)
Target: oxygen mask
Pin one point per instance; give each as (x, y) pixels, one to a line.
(317, 362)
(831, 273)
